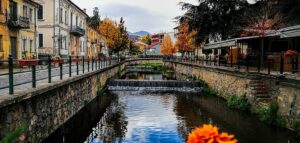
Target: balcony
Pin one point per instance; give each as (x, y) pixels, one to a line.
(19, 22)
(77, 31)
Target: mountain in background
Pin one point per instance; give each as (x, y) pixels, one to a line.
(140, 33)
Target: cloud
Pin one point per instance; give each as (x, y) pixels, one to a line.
(136, 18)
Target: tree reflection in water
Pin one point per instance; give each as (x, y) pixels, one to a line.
(112, 125)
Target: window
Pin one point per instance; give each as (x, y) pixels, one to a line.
(41, 13)
(41, 41)
(31, 15)
(25, 11)
(66, 18)
(30, 45)
(1, 43)
(65, 42)
(61, 15)
(71, 19)
(76, 21)
(24, 45)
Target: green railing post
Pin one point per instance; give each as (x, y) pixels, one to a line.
(99, 63)
(61, 71)
(92, 63)
(281, 64)
(77, 65)
(49, 69)
(88, 64)
(83, 64)
(70, 66)
(96, 63)
(101, 66)
(11, 74)
(33, 76)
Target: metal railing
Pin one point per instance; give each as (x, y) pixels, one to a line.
(19, 22)
(280, 67)
(76, 30)
(73, 64)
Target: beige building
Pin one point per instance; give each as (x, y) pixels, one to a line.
(62, 26)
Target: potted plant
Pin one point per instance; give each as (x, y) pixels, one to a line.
(57, 59)
(28, 62)
(76, 60)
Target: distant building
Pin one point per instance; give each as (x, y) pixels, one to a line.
(62, 28)
(153, 49)
(157, 38)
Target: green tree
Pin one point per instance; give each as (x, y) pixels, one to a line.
(95, 20)
(122, 38)
(147, 39)
(215, 18)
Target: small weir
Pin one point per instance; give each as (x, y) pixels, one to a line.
(154, 85)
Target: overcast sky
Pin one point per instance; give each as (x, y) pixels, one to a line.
(150, 15)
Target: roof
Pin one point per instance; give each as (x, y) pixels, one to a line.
(78, 8)
(232, 42)
(153, 44)
(141, 43)
(33, 3)
(288, 32)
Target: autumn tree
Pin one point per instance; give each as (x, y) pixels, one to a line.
(185, 39)
(109, 30)
(167, 46)
(147, 39)
(122, 40)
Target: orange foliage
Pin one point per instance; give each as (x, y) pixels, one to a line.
(210, 134)
(185, 39)
(167, 47)
(109, 30)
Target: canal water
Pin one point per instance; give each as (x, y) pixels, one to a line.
(137, 117)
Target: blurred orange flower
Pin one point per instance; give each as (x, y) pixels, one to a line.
(210, 134)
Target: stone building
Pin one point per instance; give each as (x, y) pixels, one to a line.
(62, 26)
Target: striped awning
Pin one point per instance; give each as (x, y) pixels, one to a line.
(221, 44)
(293, 31)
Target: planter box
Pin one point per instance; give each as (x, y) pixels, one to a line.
(76, 60)
(28, 62)
(56, 61)
(87, 60)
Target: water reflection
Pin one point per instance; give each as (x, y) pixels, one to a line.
(168, 118)
(161, 118)
(112, 127)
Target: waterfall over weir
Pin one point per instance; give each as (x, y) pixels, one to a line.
(154, 85)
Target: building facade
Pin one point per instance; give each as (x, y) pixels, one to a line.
(62, 28)
(18, 28)
(93, 42)
(4, 31)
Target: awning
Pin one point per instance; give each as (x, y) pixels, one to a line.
(232, 42)
(289, 32)
(221, 44)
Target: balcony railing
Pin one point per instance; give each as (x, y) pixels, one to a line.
(77, 31)
(19, 22)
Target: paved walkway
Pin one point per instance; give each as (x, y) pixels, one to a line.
(23, 80)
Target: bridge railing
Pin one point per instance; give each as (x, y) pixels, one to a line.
(280, 65)
(48, 69)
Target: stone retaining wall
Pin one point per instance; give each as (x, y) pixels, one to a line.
(227, 83)
(46, 108)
